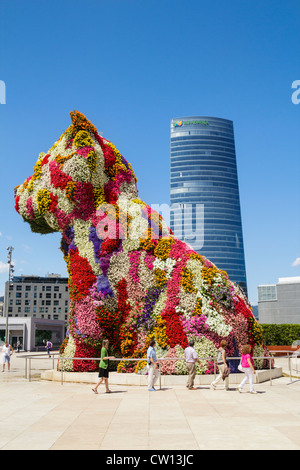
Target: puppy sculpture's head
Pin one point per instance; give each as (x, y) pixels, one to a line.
(81, 171)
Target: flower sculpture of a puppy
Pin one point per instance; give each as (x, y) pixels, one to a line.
(130, 279)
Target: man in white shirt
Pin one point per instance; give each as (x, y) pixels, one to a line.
(191, 358)
(153, 372)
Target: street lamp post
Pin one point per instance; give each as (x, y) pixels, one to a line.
(10, 278)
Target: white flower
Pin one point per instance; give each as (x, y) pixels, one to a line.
(85, 247)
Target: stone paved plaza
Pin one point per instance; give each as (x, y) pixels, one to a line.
(44, 415)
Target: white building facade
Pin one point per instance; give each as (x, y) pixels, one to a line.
(280, 303)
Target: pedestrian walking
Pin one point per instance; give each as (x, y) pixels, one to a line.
(103, 367)
(18, 346)
(48, 346)
(247, 366)
(7, 351)
(191, 357)
(152, 365)
(222, 366)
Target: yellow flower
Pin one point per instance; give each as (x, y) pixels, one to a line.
(43, 200)
(163, 248)
(61, 159)
(208, 273)
(160, 332)
(198, 309)
(92, 161)
(196, 256)
(160, 277)
(83, 139)
(187, 280)
(99, 196)
(70, 190)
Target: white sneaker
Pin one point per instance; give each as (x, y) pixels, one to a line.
(239, 390)
(253, 391)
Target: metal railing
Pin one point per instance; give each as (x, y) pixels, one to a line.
(61, 359)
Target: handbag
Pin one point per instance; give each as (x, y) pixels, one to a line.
(240, 367)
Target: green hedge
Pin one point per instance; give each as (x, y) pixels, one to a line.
(280, 335)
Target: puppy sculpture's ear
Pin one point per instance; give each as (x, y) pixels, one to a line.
(81, 123)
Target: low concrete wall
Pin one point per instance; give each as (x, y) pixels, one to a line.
(141, 380)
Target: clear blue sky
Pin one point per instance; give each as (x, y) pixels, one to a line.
(132, 65)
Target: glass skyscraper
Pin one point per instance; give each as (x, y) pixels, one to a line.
(204, 192)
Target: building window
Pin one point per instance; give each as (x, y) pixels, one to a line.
(267, 293)
(48, 288)
(27, 288)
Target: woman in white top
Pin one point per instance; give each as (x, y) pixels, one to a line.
(7, 351)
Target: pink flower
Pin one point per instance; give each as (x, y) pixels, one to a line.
(29, 208)
(85, 318)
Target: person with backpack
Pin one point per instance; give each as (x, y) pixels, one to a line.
(48, 346)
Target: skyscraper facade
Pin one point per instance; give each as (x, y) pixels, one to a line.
(204, 192)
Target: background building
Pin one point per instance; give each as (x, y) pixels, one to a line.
(33, 332)
(204, 193)
(37, 297)
(37, 309)
(280, 303)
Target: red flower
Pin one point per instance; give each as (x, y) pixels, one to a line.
(59, 179)
(108, 246)
(45, 159)
(81, 275)
(174, 330)
(53, 203)
(17, 203)
(85, 350)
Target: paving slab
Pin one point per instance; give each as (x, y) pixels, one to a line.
(45, 415)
